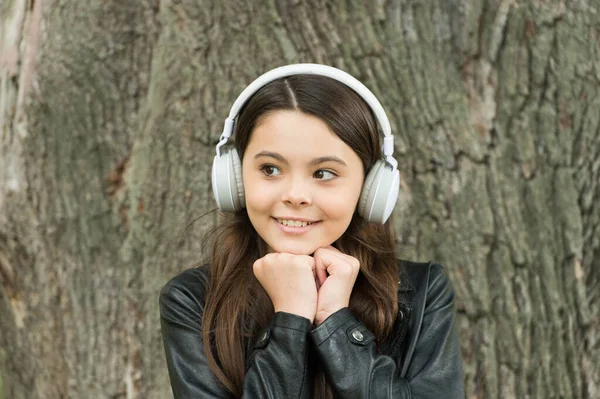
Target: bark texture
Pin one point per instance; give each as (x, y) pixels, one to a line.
(110, 110)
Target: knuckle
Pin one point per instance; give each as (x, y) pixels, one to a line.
(271, 259)
(257, 266)
(347, 271)
(296, 262)
(301, 262)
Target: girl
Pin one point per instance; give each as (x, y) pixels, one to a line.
(304, 296)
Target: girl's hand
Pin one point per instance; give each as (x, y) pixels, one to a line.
(290, 282)
(336, 274)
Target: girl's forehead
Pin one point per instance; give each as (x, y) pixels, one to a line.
(297, 138)
(295, 129)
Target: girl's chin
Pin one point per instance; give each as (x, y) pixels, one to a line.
(294, 249)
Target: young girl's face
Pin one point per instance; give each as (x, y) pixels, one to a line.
(302, 182)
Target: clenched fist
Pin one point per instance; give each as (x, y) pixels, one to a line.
(289, 280)
(336, 274)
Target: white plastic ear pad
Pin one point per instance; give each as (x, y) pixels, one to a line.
(366, 196)
(215, 181)
(227, 184)
(220, 183)
(386, 195)
(237, 183)
(380, 192)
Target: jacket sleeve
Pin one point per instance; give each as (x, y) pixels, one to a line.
(356, 370)
(278, 365)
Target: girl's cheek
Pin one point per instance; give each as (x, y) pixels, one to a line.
(261, 196)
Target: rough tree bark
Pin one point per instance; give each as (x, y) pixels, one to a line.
(110, 110)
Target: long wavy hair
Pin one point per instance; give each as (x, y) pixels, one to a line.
(237, 306)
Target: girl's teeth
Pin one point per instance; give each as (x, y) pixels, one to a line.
(293, 223)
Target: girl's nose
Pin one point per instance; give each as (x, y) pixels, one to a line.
(297, 193)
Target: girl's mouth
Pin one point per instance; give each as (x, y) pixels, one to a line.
(295, 226)
(294, 223)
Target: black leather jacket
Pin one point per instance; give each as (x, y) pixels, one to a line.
(422, 358)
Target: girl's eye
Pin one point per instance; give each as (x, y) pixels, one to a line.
(324, 174)
(270, 170)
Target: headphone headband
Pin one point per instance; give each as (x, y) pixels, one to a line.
(322, 70)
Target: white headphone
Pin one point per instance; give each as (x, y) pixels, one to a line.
(382, 184)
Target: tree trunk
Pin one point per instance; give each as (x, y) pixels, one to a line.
(110, 111)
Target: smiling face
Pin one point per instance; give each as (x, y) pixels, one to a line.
(301, 181)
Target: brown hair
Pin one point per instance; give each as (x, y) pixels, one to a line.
(233, 289)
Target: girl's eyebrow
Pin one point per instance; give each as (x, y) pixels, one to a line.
(313, 162)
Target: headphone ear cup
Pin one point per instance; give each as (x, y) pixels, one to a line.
(238, 182)
(227, 184)
(366, 196)
(379, 194)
